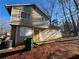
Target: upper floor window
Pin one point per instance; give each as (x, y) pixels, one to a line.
(43, 19)
(25, 15)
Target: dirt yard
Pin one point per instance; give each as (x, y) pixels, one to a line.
(53, 50)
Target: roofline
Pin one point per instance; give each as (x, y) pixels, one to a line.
(17, 4)
(8, 5)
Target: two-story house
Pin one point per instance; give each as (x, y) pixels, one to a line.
(27, 20)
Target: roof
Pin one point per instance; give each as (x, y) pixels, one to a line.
(34, 5)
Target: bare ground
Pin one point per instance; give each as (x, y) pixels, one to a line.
(53, 50)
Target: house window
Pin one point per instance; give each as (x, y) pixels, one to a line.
(25, 15)
(43, 19)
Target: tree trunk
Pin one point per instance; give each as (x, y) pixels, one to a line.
(65, 17)
(75, 2)
(73, 22)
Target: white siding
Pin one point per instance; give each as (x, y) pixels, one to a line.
(36, 19)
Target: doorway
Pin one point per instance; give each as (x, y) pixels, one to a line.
(36, 35)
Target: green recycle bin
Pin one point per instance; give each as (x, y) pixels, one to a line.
(28, 43)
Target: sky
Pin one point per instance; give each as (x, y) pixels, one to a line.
(3, 12)
(4, 15)
(41, 3)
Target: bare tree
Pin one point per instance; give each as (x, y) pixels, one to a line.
(76, 4)
(66, 24)
(77, 12)
(62, 4)
(52, 4)
(68, 6)
(4, 25)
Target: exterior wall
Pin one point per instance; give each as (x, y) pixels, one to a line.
(36, 21)
(36, 18)
(37, 34)
(16, 18)
(22, 33)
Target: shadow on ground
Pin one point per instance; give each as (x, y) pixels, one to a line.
(74, 57)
